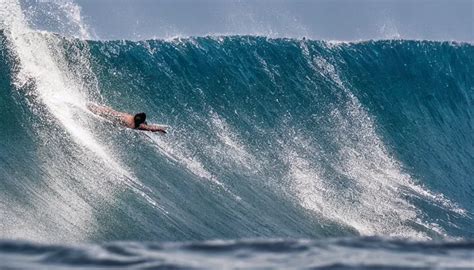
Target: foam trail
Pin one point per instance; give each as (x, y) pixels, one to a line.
(375, 204)
(233, 150)
(41, 64)
(178, 154)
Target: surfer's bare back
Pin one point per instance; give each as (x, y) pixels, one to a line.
(137, 121)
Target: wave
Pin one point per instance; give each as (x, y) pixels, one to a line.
(270, 138)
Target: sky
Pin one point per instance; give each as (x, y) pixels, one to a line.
(315, 19)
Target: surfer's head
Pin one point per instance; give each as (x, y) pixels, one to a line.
(139, 118)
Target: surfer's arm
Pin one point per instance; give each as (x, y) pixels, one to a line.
(152, 128)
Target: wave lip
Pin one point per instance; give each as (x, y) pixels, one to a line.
(251, 253)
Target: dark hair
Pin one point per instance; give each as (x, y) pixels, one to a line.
(139, 118)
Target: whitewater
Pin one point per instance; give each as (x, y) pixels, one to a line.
(277, 146)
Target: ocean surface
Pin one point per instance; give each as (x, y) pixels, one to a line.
(356, 253)
(282, 153)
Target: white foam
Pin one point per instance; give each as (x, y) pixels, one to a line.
(58, 89)
(375, 201)
(178, 153)
(231, 149)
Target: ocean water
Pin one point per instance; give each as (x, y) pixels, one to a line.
(282, 152)
(356, 253)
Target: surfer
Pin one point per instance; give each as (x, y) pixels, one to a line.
(137, 121)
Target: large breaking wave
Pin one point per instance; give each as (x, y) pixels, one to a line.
(270, 138)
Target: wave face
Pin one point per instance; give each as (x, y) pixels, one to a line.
(270, 138)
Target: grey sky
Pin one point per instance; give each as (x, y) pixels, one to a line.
(316, 19)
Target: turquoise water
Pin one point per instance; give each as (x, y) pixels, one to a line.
(270, 138)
